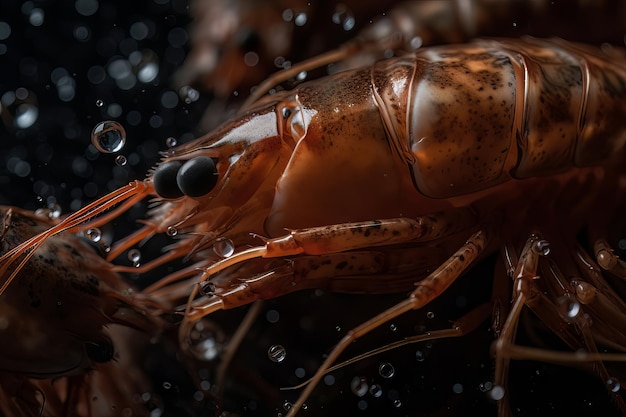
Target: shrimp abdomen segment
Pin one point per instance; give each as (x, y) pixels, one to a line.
(484, 113)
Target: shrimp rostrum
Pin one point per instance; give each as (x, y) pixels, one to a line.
(398, 178)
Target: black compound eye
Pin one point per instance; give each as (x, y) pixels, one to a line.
(286, 112)
(164, 180)
(197, 176)
(100, 352)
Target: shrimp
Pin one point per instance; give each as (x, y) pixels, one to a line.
(400, 177)
(54, 319)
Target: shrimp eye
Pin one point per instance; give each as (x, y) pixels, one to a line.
(164, 180)
(286, 112)
(100, 352)
(197, 176)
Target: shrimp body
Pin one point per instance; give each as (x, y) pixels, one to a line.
(442, 128)
(389, 178)
(53, 316)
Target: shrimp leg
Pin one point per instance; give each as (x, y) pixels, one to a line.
(427, 290)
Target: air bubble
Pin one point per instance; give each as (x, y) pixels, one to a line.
(171, 231)
(207, 288)
(393, 327)
(496, 393)
(223, 247)
(376, 391)
(344, 17)
(542, 247)
(121, 160)
(171, 142)
(167, 385)
(613, 384)
(108, 137)
(359, 386)
(287, 405)
(569, 307)
(94, 234)
(54, 211)
(277, 353)
(134, 255)
(430, 315)
(99, 103)
(386, 370)
(204, 340)
(397, 403)
(419, 355)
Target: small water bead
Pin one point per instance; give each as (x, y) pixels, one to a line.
(277, 353)
(419, 355)
(496, 393)
(207, 288)
(205, 340)
(376, 391)
(569, 307)
(393, 327)
(223, 247)
(359, 386)
(542, 247)
(171, 231)
(54, 211)
(134, 255)
(344, 17)
(99, 103)
(430, 315)
(171, 142)
(386, 370)
(120, 160)
(287, 405)
(613, 384)
(94, 234)
(108, 136)
(397, 403)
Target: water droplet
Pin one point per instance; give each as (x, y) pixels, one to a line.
(223, 247)
(94, 234)
(99, 103)
(376, 391)
(171, 231)
(397, 403)
(207, 288)
(54, 211)
(496, 393)
(108, 137)
(419, 355)
(457, 388)
(204, 340)
(167, 385)
(329, 380)
(134, 255)
(393, 327)
(120, 160)
(300, 19)
(272, 316)
(276, 353)
(171, 142)
(542, 247)
(301, 76)
(430, 315)
(386, 370)
(287, 405)
(337, 328)
(359, 386)
(569, 307)
(344, 17)
(613, 384)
